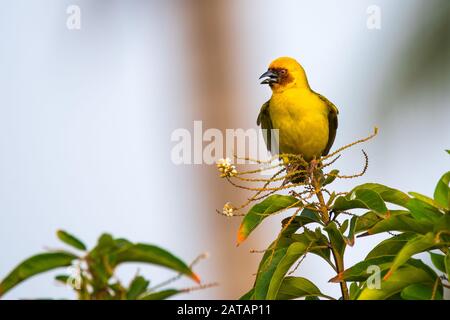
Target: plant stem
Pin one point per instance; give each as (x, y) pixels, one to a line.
(338, 259)
(340, 268)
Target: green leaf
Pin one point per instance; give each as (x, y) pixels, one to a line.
(62, 278)
(307, 216)
(438, 261)
(69, 239)
(423, 211)
(354, 290)
(447, 264)
(318, 241)
(363, 199)
(343, 226)
(152, 254)
(388, 194)
(400, 221)
(425, 199)
(248, 295)
(420, 291)
(161, 295)
(350, 238)
(267, 268)
(448, 151)
(297, 287)
(105, 245)
(391, 246)
(331, 176)
(366, 221)
(100, 259)
(442, 191)
(416, 245)
(262, 210)
(293, 253)
(442, 225)
(336, 238)
(401, 279)
(359, 272)
(36, 264)
(137, 287)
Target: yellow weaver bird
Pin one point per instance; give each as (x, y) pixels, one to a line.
(306, 120)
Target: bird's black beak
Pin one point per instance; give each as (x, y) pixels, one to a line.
(270, 77)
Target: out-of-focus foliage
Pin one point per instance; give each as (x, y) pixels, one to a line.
(91, 273)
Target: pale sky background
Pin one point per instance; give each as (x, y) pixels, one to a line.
(86, 117)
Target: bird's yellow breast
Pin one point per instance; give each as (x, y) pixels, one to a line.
(302, 119)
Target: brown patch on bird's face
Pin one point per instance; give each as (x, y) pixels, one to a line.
(284, 77)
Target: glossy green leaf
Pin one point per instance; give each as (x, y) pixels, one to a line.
(331, 176)
(344, 226)
(425, 199)
(71, 240)
(105, 245)
(442, 191)
(101, 262)
(423, 211)
(391, 246)
(284, 241)
(366, 221)
(354, 290)
(307, 216)
(161, 295)
(416, 245)
(442, 226)
(152, 254)
(262, 210)
(62, 278)
(297, 287)
(350, 238)
(318, 241)
(438, 261)
(336, 238)
(137, 287)
(267, 267)
(360, 271)
(36, 264)
(404, 277)
(363, 199)
(248, 295)
(388, 194)
(293, 253)
(401, 222)
(420, 291)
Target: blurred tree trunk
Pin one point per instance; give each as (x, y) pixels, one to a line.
(214, 102)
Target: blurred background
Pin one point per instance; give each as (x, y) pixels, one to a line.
(86, 118)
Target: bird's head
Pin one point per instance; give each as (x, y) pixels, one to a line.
(284, 73)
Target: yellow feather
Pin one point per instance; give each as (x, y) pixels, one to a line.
(302, 119)
(299, 113)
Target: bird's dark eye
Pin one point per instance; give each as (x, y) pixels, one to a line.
(283, 71)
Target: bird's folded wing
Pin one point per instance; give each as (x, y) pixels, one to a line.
(332, 123)
(266, 124)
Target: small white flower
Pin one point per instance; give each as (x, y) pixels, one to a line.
(228, 209)
(225, 167)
